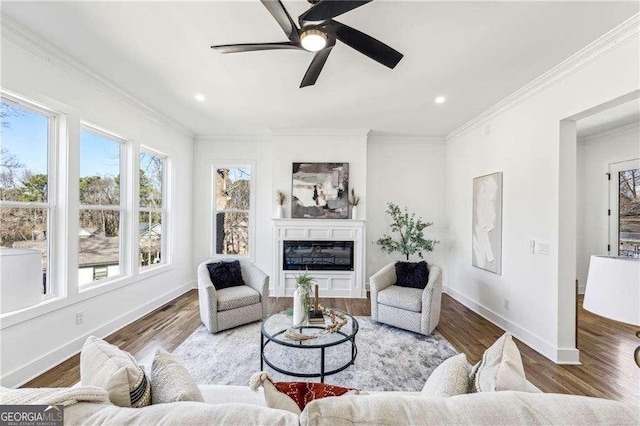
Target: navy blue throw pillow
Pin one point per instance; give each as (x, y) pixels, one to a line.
(412, 274)
(225, 274)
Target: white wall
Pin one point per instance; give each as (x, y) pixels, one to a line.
(410, 173)
(35, 345)
(595, 153)
(522, 140)
(211, 151)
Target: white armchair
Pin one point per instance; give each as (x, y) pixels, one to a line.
(412, 309)
(233, 306)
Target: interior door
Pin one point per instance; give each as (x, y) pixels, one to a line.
(624, 209)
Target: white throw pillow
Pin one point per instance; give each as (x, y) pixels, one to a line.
(116, 371)
(170, 381)
(450, 378)
(501, 368)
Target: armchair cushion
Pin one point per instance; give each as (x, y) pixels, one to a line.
(412, 274)
(225, 274)
(237, 297)
(406, 298)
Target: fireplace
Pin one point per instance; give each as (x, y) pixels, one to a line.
(317, 255)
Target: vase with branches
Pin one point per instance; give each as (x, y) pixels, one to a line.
(354, 200)
(302, 298)
(410, 233)
(280, 199)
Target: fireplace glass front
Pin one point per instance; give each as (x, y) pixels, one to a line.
(318, 255)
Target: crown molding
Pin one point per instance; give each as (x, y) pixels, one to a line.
(327, 132)
(232, 137)
(610, 132)
(28, 40)
(598, 48)
(375, 137)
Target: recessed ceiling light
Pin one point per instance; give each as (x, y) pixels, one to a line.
(199, 97)
(440, 99)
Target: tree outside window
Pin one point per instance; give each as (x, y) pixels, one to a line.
(232, 210)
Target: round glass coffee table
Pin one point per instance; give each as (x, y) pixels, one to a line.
(276, 325)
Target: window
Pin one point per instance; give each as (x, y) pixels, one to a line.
(625, 211)
(100, 219)
(26, 205)
(152, 220)
(232, 210)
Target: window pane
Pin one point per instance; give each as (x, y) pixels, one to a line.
(150, 245)
(99, 169)
(24, 154)
(232, 233)
(99, 245)
(629, 213)
(151, 177)
(233, 188)
(26, 228)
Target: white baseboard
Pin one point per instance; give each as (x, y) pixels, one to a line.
(40, 365)
(559, 356)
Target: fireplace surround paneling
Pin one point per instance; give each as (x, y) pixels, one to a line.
(311, 241)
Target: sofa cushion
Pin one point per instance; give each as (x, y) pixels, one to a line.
(449, 379)
(237, 297)
(406, 298)
(225, 274)
(116, 371)
(412, 274)
(486, 408)
(294, 396)
(500, 368)
(178, 413)
(170, 381)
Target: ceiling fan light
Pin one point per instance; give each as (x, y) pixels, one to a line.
(313, 40)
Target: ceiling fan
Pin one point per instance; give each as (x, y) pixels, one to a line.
(318, 33)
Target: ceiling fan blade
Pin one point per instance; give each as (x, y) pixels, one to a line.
(328, 9)
(316, 66)
(277, 10)
(252, 47)
(367, 45)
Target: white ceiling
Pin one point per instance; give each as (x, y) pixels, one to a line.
(474, 53)
(618, 116)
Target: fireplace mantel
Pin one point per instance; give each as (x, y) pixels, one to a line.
(348, 284)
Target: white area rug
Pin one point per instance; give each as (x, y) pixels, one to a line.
(388, 358)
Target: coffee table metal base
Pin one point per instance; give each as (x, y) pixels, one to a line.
(263, 358)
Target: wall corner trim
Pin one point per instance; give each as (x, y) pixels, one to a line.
(593, 51)
(541, 346)
(326, 132)
(36, 45)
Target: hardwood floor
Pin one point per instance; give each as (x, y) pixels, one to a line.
(606, 347)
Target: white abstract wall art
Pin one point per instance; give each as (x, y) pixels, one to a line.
(487, 223)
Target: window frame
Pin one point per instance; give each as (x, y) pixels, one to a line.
(251, 165)
(53, 119)
(123, 246)
(165, 258)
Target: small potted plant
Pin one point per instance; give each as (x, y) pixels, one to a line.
(280, 199)
(410, 236)
(354, 200)
(302, 298)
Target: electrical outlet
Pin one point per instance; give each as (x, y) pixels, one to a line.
(506, 304)
(542, 247)
(79, 317)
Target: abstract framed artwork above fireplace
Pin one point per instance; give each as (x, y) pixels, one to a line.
(333, 251)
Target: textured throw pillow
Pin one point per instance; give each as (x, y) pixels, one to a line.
(500, 368)
(170, 381)
(225, 274)
(449, 379)
(116, 371)
(412, 274)
(294, 396)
